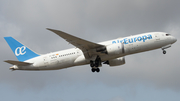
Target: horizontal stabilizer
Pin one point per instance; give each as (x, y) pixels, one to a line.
(18, 63)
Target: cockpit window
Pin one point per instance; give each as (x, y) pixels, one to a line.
(168, 34)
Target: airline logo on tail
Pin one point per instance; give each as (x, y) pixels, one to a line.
(20, 51)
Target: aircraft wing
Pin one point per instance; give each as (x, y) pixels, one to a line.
(82, 44)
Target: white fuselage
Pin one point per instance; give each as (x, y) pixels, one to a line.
(75, 57)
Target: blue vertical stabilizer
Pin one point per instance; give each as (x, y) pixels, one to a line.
(22, 52)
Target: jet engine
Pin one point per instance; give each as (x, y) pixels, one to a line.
(115, 62)
(115, 49)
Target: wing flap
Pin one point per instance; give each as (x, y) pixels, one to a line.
(18, 63)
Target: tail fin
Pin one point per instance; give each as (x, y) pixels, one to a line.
(22, 52)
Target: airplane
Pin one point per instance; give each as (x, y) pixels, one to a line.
(110, 52)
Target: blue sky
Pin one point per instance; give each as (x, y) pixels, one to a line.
(148, 76)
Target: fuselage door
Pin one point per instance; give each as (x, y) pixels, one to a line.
(157, 37)
(46, 61)
(78, 52)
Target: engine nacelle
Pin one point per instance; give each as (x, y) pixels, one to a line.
(115, 49)
(116, 62)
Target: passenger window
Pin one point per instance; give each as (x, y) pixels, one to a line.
(167, 34)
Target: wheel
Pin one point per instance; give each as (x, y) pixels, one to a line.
(93, 70)
(91, 63)
(98, 70)
(164, 52)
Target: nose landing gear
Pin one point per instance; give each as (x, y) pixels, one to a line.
(165, 47)
(164, 52)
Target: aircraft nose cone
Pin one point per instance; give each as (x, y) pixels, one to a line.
(174, 39)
